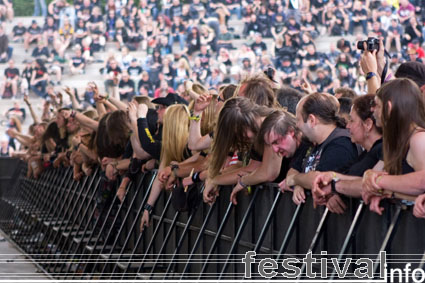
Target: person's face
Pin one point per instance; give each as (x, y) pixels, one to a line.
(60, 120)
(310, 49)
(357, 128)
(377, 111)
(11, 64)
(39, 130)
(72, 126)
(284, 146)
(161, 111)
(304, 127)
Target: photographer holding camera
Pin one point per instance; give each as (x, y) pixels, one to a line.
(373, 63)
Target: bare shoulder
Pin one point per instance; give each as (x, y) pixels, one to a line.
(417, 141)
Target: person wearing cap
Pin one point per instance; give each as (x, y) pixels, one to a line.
(151, 142)
(287, 70)
(414, 71)
(33, 33)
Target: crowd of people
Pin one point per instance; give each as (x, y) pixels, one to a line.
(72, 36)
(350, 122)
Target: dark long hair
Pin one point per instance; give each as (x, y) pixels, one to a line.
(323, 106)
(112, 135)
(363, 107)
(279, 121)
(237, 115)
(407, 112)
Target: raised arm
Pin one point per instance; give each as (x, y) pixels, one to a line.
(34, 116)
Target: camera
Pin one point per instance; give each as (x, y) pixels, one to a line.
(372, 43)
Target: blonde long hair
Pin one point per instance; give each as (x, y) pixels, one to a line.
(175, 133)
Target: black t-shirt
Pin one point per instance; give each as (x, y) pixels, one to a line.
(34, 30)
(116, 70)
(258, 48)
(50, 29)
(146, 84)
(176, 11)
(96, 19)
(288, 70)
(311, 57)
(18, 31)
(27, 73)
(295, 27)
(127, 84)
(288, 163)
(40, 52)
(39, 72)
(409, 30)
(205, 59)
(359, 13)
(77, 61)
(134, 71)
(308, 24)
(366, 160)
(322, 83)
(336, 154)
(278, 26)
(11, 73)
(150, 141)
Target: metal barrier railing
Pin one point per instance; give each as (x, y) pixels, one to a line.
(80, 229)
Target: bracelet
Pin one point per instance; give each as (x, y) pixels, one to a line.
(378, 178)
(196, 118)
(370, 75)
(148, 207)
(242, 183)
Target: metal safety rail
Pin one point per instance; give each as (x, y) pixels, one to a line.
(81, 230)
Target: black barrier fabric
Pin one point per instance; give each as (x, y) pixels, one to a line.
(80, 230)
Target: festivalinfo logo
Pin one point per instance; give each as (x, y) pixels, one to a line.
(267, 268)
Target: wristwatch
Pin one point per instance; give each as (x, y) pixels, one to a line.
(148, 207)
(335, 179)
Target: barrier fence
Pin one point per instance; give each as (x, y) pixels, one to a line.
(80, 230)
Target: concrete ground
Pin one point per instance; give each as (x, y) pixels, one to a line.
(14, 265)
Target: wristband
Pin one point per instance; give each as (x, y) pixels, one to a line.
(196, 118)
(370, 75)
(148, 208)
(242, 183)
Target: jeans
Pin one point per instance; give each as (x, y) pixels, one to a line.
(236, 11)
(40, 4)
(180, 37)
(40, 89)
(8, 55)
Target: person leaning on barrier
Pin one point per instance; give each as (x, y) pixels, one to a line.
(175, 155)
(281, 143)
(237, 126)
(364, 132)
(317, 119)
(404, 139)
